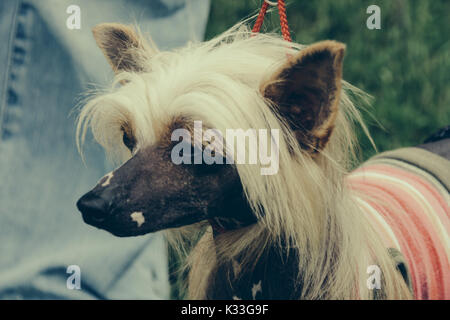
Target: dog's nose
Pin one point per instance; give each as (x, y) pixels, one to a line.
(92, 207)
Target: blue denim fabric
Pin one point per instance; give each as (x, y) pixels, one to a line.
(44, 67)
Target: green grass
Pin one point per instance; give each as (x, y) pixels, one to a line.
(405, 66)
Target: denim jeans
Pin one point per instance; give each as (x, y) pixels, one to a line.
(44, 69)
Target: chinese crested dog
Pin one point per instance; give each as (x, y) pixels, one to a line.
(310, 229)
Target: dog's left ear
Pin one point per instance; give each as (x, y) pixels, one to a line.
(122, 46)
(306, 92)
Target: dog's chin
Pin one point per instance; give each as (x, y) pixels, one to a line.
(119, 228)
(115, 229)
(123, 233)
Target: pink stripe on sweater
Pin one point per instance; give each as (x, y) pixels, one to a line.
(415, 222)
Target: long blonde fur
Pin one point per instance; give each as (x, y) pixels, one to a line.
(306, 205)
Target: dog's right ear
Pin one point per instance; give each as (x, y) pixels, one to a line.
(123, 47)
(306, 90)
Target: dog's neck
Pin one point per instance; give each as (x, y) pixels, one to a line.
(223, 225)
(273, 274)
(231, 212)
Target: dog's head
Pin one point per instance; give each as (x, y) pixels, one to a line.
(241, 84)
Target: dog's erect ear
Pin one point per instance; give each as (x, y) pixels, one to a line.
(123, 47)
(306, 91)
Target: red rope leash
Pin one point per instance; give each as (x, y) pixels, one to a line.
(260, 19)
(283, 19)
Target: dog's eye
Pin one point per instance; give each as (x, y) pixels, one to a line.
(128, 139)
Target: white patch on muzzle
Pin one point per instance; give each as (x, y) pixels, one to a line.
(108, 179)
(138, 217)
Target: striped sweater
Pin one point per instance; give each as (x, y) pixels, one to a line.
(405, 194)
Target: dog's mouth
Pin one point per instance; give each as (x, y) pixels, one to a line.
(93, 220)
